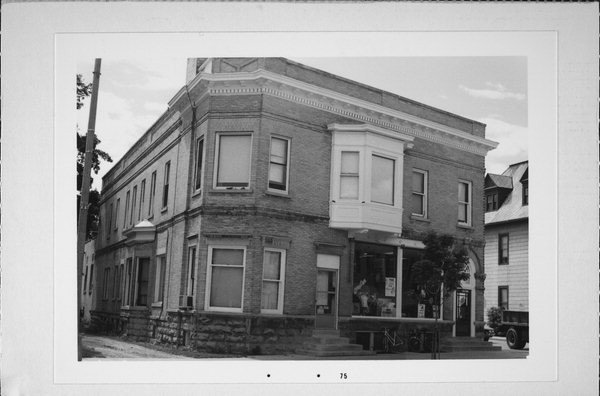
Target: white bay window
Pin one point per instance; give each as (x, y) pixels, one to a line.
(366, 177)
(349, 175)
(382, 180)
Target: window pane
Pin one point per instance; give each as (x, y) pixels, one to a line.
(349, 162)
(349, 187)
(270, 294)
(462, 212)
(278, 151)
(228, 257)
(226, 287)
(463, 192)
(272, 265)
(277, 173)
(417, 204)
(234, 160)
(418, 182)
(199, 150)
(382, 180)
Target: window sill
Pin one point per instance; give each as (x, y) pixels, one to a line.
(420, 218)
(196, 193)
(163, 210)
(279, 194)
(465, 226)
(231, 191)
(158, 304)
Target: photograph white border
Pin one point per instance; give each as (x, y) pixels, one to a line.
(47, 141)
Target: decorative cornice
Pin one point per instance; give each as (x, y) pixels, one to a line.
(406, 139)
(263, 82)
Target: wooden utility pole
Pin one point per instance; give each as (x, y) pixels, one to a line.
(85, 193)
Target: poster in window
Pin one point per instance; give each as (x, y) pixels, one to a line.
(390, 287)
(420, 310)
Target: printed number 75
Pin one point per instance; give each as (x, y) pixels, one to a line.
(343, 376)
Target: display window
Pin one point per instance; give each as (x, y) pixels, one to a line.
(375, 280)
(417, 302)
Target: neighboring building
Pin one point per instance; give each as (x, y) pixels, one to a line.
(87, 280)
(273, 198)
(507, 238)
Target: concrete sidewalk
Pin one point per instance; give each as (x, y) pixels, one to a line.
(100, 347)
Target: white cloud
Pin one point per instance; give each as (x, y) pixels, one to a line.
(512, 144)
(496, 91)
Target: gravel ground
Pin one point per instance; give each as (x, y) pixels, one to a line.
(102, 346)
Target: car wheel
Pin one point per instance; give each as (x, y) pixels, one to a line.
(513, 339)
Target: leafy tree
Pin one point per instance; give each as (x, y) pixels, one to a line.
(441, 271)
(494, 317)
(84, 90)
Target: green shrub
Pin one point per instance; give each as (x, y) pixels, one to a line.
(494, 317)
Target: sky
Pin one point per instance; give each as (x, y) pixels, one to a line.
(492, 90)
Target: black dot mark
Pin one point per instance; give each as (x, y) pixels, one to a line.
(268, 375)
(318, 375)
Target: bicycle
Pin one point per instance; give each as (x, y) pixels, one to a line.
(392, 342)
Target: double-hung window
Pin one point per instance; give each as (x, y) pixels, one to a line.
(143, 271)
(133, 202)
(491, 203)
(152, 194)
(349, 175)
(278, 164)
(142, 198)
(165, 195)
(191, 273)
(382, 180)
(110, 214)
(126, 210)
(233, 161)
(105, 285)
(85, 278)
(159, 285)
(525, 192)
(91, 286)
(225, 279)
(198, 167)
(117, 214)
(273, 281)
(419, 193)
(503, 249)
(503, 297)
(464, 203)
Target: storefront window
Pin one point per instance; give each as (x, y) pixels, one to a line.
(375, 286)
(416, 302)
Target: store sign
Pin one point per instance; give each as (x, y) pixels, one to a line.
(390, 287)
(420, 310)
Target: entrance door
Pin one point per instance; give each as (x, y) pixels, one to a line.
(463, 313)
(326, 303)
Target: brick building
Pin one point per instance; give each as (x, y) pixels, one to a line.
(273, 198)
(507, 238)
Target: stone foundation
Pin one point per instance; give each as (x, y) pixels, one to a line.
(213, 332)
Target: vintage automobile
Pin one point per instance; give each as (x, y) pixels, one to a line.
(515, 327)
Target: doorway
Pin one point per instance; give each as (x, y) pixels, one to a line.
(326, 299)
(463, 313)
